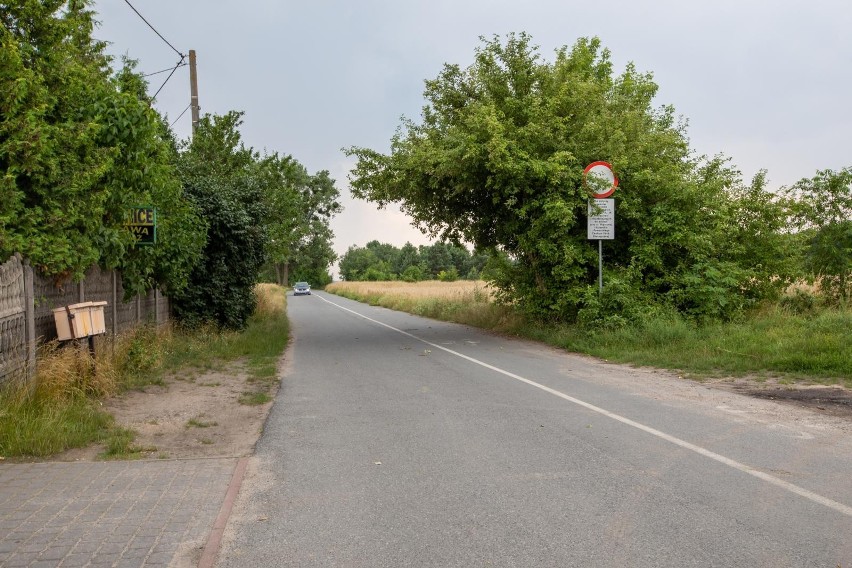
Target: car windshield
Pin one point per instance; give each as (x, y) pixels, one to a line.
(301, 284)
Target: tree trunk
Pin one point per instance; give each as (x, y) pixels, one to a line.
(286, 271)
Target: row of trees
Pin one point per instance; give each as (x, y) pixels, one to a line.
(80, 145)
(260, 212)
(441, 260)
(497, 161)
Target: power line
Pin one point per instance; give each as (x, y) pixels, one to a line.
(180, 115)
(175, 68)
(155, 31)
(162, 71)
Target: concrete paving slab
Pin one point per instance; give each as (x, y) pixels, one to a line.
(130, 513)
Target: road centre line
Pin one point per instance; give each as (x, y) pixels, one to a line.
(800, 491)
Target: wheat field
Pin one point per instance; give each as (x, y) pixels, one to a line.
(460, 289)
(462, 301)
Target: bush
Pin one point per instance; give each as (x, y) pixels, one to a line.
(412, 274)
(618, 305)
(799, 302)
(216, 171)
(373, 274)
(450, 275)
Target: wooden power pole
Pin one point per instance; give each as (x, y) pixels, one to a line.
(193, 85)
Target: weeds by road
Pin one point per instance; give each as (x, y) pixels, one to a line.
(65, 407)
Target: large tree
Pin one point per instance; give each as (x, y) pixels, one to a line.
(219, 174)
(80, 146)
(497, 161)
(54, 142)
(300, 207)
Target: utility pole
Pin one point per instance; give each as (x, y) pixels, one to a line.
(193, 85)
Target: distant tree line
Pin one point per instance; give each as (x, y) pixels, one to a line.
(439, 261)
(81, 145)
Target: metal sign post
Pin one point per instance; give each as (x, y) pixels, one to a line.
(601, 180)
(601, 226)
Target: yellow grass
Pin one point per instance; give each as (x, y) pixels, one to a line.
(271, 299)
(458, 290)
(65, 373)
(469, 302)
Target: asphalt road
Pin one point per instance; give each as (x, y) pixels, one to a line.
(400, 441)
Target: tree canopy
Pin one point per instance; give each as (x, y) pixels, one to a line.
(822, 211)
(299, 209)
(383, 261)
(257, 209)
(497, 161)
(81, 146)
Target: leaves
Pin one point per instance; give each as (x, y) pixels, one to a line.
(821, 208)
(497, 161)
(79, 148)
(382, 261)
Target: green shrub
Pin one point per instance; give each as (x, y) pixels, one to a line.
(799, 302)
(375, 274)
(217, 176)
(619, 304)
(412, 274)
(449, 275)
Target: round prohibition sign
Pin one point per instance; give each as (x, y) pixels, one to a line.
(604, 179)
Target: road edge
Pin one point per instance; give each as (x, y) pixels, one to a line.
(214, 542)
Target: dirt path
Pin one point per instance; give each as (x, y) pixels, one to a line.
(193, 415)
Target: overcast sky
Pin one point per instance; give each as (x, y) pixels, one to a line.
(766, 82)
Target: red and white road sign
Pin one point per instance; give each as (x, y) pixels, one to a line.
(605, 180)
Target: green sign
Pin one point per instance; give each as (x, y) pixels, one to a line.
(143, 225)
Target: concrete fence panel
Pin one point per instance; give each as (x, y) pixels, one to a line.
(27, 301)
(13, 319)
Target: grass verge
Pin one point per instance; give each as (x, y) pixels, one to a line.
(61, 410)
(770, 343)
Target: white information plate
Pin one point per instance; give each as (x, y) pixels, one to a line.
(601, 225)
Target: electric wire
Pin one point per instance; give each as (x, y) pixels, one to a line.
(163, 70)
(154, 29)
(175, 68)
(180, 115)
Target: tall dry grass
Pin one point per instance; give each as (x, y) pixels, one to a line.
(460, 289)
(271, 300)
(66, 373)
(798, 339)
(56, 412)
(463, 301)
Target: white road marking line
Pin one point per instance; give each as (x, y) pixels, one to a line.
(800, 491)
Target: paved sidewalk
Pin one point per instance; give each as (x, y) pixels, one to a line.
(133, 513)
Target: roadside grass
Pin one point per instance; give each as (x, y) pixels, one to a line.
(119, 445)
(770, 343)
(61, 410)
(197, 422)
(254, 398)
(259, 345)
